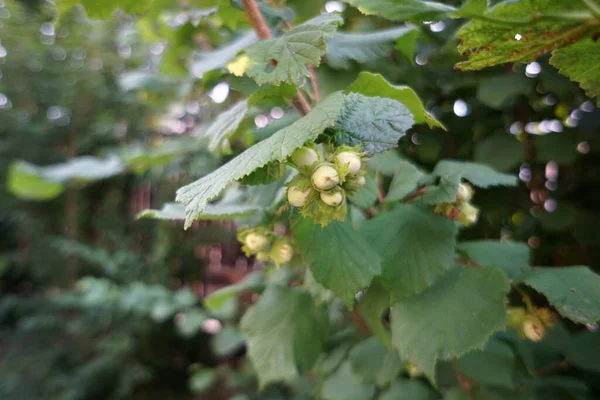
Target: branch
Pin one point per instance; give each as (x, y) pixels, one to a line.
(464, 382)
(314, 83)
(262, 30)
(256, 19)
(415, 194)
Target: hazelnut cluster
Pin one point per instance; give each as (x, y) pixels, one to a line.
(323, 182)
(530, 324)
(266, 245)
(461, 210)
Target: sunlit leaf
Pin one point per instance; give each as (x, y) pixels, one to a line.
(196, 195)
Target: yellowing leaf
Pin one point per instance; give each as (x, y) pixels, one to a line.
(239, 66)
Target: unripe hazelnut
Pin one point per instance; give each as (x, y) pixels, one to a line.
(350, 159)
(286, 252)
(304, 157)
(468, 214)
(465, 192)
(297, 197)
(361, 181)
(533, 329)
(413, 371)
(256, 241)
(333, 199)
(325, 177)
(515, 316)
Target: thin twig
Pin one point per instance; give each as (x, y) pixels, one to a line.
(314, 83)
(468, 263)
(415, 194)
(464, 382)
(256, 19)
(524, 296)
(552, 368)
(262, 30)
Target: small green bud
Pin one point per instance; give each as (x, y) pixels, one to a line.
(281, 252)
(333, 199)
(304, 157)
(515, 316)
(286, 252)
(256, 241)
(325, 177)
(350, 159)
(297, 197)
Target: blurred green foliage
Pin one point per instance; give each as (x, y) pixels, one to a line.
(97, 305)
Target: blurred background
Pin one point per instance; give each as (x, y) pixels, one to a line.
(101, 119)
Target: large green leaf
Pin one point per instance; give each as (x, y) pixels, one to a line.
(301, 45)
(479, 175)
(83, 169)
(372, 306)
(374, 362)
(449, 174)
(471, 8)
(403, 10)
(363, 47)
(196, 195)
(344, 384)
(284, 90)
(284, 332)
(405, 181)
(225, 124)
(338, 257)
(573, 291)
(456, 315)
(409, 390)
(31, 182)
(579, 62)
(26, 182)
(494, 365)
(518, 31)
(417, 248)
(205, 62)
(510, 257)
(374, 123)
(266, 174)
(175, 211)
(370, 84)
(444, 190)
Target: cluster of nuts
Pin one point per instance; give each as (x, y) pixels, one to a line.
(461, 210)
(323, 182)
(530, 324)
(266, 245)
